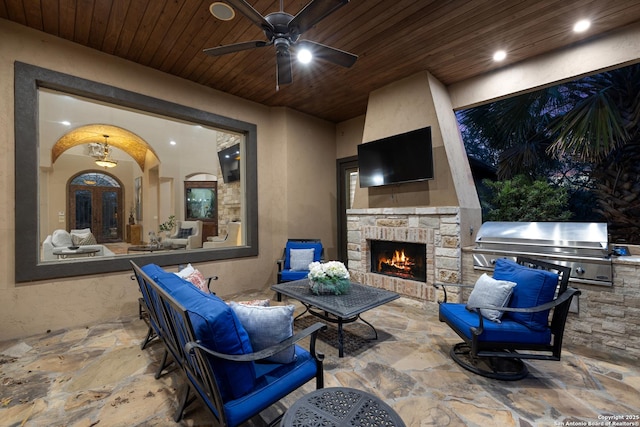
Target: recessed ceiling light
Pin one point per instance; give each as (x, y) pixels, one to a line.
(499, 55)
(222, 11)
(66, 123)
(172, 142)
(304, 56)
(582, 25)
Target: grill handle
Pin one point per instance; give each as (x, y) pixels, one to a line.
(545, 245)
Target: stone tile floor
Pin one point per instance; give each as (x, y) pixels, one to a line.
(99, 376)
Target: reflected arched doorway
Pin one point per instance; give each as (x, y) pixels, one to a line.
(95, 202)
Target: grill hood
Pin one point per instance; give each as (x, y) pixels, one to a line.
(580, 245)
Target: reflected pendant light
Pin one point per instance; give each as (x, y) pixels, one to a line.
(106, 161)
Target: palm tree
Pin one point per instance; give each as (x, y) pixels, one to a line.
(591, 123)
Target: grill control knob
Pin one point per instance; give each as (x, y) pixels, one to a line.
(580, 270)
(493, 261)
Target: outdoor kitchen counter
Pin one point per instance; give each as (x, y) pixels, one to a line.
(628, 260)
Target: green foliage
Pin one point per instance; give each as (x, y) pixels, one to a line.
(168, 226)
(521, 199)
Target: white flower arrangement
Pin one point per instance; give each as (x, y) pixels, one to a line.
(329, 277)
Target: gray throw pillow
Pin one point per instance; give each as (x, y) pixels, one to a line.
(489, 291)
(301, 258)
(83, 239)
(267, 326)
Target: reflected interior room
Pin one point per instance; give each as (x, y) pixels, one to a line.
(113, 170)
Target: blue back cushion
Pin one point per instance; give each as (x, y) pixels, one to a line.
(317, 253)
(217, 328)
(534, 287)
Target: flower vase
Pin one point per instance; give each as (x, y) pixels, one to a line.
(329, 286)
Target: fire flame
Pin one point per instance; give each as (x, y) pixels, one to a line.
(399, 261)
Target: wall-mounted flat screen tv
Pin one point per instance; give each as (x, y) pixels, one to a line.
(407, 157)
(230, 163)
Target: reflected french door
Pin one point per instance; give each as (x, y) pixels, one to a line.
(98, 208)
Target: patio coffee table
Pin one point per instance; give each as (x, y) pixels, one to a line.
(66, 252)
(338, 309)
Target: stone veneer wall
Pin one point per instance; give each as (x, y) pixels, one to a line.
(608, 319)
(229, 194)
(437, 227)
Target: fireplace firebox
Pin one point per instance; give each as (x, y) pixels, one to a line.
(399, 259)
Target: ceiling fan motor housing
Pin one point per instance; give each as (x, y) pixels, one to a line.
(280, 22)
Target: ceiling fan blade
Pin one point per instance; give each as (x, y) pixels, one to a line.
(236, 47)
(283, 67)
(247, 10)
(328, 53)
(313, 13)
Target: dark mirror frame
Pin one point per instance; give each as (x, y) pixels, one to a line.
(28, 79)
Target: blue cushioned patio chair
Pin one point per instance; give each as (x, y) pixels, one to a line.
(527, 330)
(288, 271)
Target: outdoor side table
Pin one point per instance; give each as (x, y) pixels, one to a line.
(340, 406)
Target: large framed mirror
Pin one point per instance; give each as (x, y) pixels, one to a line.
(101, 173)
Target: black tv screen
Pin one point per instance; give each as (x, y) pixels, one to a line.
(396, 159)
(230, 163)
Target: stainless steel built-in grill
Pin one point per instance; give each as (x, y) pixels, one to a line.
(581, 246)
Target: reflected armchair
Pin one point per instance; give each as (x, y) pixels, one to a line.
(233, 237)
(188, 235)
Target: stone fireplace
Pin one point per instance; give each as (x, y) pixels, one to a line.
(441, 214)
(436, 229)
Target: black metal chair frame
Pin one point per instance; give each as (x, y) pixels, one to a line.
(503, 360)
(148, 315)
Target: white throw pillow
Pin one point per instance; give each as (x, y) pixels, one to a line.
(267, 326)
(61, 238)
(186, 272)
(301, 258)
(489, 291)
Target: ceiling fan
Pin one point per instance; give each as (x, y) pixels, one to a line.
(283, 31)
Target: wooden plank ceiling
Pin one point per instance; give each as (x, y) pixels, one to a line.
(453, 39)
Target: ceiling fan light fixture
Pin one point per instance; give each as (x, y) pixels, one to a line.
(222, 11)
(305, 56)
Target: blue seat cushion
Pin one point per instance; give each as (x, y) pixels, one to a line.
(316, 246)
(507, 331)
(273, 382)
(534, 287)
(290, 275)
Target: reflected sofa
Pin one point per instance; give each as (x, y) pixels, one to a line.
(61, 239)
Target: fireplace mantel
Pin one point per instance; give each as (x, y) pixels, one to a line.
(436, 227)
